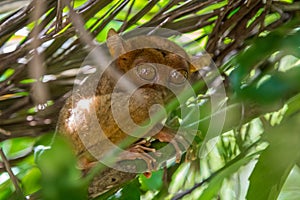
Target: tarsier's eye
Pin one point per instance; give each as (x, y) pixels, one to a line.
(178, 76)
(146, 71)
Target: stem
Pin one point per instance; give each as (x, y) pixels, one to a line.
(10, 173)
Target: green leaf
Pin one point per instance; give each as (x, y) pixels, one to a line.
(18, 147)
(152, 183)
(31, 181)
(129, 191)
(293, 105)
(285, 39)
(9, 72)
(276, 162)
(6, 189)
(291, 188)
(60, 177)
(228, 170)
(28, 81)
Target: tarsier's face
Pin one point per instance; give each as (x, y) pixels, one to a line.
(151, 62)
(155, 68)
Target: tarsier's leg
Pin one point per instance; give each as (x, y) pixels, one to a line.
(136, 151)
(143, 145)
(141, 149)
(164, 135)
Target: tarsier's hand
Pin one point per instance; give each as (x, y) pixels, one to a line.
(158, 73)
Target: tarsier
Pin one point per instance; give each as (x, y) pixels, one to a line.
(154, 70)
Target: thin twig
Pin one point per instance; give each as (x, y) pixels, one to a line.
(124, 26)
(10, 173)
(40, 92)
(5, 132)
(94, 25)
(58, 23)
(111, 16)
(15, 161)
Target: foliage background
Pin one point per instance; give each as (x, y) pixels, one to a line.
(255, 45)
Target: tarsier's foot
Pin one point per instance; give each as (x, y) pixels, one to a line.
(85, 165)
(142, 150)
(139, 151)
(143, 145)
(167, 135)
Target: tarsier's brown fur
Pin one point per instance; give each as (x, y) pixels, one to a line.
(127, 55)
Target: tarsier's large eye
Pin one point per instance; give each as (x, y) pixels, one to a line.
(178, 76)
(146, 71)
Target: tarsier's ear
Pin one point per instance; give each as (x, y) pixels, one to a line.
(198, 62)
(115, 43)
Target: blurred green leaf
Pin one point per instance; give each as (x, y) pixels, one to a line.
(284, 38)
(28, 81)
(259, 12)
(291, 188)
(293, 105)
(31, 181)
(16, 196)
(274, 87)
(6, 189)
(216, 182)
(276, 162)
(60, 177)
(18, 146)
(152, 183)
(287, 1)
(271, 18)
(129, 191)
(9, 72)
(212, 7)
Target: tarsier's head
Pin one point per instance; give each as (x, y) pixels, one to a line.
(151, 61)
